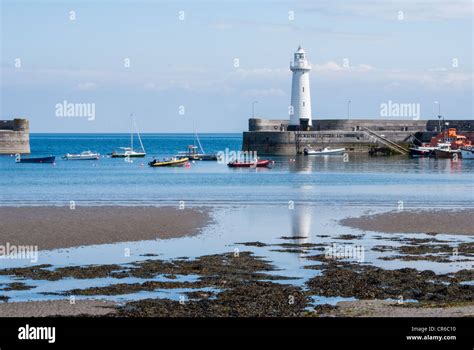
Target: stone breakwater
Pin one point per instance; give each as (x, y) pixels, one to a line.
(14, 136)
(275, 137)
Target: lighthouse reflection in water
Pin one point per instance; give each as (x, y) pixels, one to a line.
(301, 225)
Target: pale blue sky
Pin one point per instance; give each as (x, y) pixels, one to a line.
(190, 62)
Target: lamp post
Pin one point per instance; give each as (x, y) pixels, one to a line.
(253, 108)
(439, 114)
(348, 109)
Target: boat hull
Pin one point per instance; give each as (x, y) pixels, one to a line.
(176, 162)
(135, 155)
(333, 152)
(208, 157)
(45, 160)
(447, 154)
(259, 164)
(467, 153)
(421, 153)
(81, 157)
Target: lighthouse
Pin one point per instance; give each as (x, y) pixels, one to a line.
(300, 107)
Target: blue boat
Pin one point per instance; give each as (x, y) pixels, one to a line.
(36, 160)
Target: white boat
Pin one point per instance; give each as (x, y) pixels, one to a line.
(128, 152)
(467, 153)
(326, 151)
(86, 155)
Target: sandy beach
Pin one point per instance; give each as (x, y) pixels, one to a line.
(435, 221)
(61, 227)
(46, 308)
(384, 308)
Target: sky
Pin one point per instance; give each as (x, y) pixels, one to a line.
(200, 65)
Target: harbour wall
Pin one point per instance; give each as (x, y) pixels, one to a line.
(272, 137)
(14, 136)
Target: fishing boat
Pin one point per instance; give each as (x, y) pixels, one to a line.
(255, 164)
(193, 153)
(129, 152)
(445, 151)
(467, 153)
(86, 155)
(173, 161)
(446, 144)
(326, 151)
(46, 160)
(450, 137)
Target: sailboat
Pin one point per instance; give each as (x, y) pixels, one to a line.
(127, 152)
(195, 153)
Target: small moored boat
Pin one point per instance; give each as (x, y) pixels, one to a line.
(257, 164)
(445, 151)
(467, 153)
(193, 154)
(169, 162)
(86, 155)
(448, 154)
(422, 151)
(46, 160)
(129, 152)
(326, 151)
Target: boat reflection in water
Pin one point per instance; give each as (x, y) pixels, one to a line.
(300, 164)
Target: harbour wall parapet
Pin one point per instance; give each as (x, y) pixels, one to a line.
(271, 137)
(14, 136)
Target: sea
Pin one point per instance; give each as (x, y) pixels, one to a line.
(330, 181)
(298, 196)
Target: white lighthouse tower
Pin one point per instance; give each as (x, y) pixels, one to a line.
(300, 108)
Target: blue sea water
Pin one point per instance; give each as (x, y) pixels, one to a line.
(363, 180)
(300, 196)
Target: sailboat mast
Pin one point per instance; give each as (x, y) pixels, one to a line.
(197, 138)
(131, 132)
(199, 143)
(139, 138)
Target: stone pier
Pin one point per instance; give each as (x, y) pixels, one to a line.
(272, 137)
(14, 136)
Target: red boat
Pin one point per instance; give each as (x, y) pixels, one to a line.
(258, 164)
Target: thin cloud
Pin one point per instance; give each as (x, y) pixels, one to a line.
(264, 92)
(86, 86)
(287, 27)
(427, 10)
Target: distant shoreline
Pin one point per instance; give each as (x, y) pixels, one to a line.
(49, 227)
(237, 133)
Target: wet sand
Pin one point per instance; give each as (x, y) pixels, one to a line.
(57, 308)
(383, 308)
(61, 227)
(435, 221)
(358, 308)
